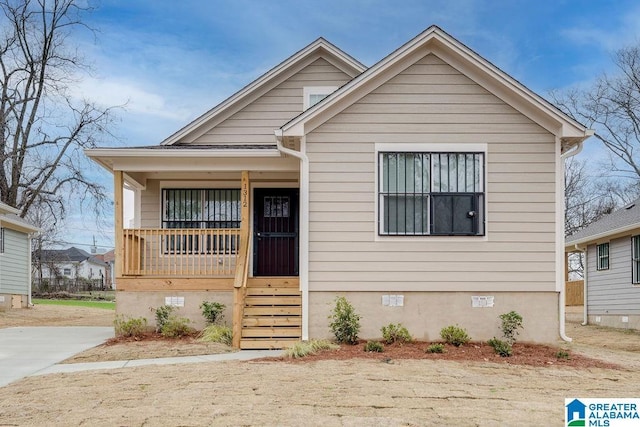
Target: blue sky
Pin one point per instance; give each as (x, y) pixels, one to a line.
(171, 61)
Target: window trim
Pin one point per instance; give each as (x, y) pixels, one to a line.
(635, 260)
(2, 240)
(601, 257)
(431, 147)
(307, 91)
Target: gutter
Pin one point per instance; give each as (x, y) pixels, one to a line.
(304, 225)
(562, 296)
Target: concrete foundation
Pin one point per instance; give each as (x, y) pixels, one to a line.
(9, 301)
(141, 304)
(615, 321)
(424, 314)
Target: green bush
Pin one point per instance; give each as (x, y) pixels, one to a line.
(217, 333)
(511, 322)
(395, 333)
(305, 348)
(176, 327)
(373, 347)
(212, 311)
(435, 348)
(134, 327)
(503, 348)
(454, 335)
(162, 316)
(345, 323)
(562, 354)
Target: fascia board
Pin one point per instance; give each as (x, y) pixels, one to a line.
(18, 225)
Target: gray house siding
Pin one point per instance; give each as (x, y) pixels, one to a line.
(14, 263)
(610, 292)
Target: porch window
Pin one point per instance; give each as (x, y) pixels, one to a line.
(635, 260)
(201, 209)
(431, 193)
(602, 252)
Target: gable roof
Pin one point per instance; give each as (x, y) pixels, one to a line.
(619, 221)
(71, 254)
(270, 79)
(456, 54)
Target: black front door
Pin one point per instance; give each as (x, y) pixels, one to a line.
(275, 232)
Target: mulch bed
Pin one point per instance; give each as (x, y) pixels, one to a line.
(523, 354)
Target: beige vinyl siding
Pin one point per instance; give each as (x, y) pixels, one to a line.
(255, 122)
(14, 263)
(431, 102)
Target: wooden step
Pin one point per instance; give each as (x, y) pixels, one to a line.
(272, 300)
(273, 282)
(259, 291)
(273, 311)
(249, 322)
(266, 343)
(271, 332)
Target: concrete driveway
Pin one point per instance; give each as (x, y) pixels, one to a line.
(27, 350)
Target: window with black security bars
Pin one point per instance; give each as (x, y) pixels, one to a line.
(431, 193)
(200, 209)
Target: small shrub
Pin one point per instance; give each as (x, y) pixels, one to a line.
(511, 322)
(435, 348)
(345, 323)
(217, 333)
(454, 335)
(562, 354)
(373, 347)
(134, 327)
(176, 327)
(212, 311)
(503, 348)
(305, 348)
(395, 333)
(162, 316)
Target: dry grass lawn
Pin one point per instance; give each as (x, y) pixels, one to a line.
(327, 392)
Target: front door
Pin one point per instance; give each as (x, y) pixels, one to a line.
(275, 232)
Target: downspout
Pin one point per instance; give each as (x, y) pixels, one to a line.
(30, 269)
(304, 225)
(562, 295)
(585, 318)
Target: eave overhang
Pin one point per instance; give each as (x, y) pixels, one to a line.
(570, 246)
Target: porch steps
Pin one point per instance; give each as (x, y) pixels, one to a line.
(272, 313)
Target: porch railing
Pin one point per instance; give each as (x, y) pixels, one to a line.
(180, 252)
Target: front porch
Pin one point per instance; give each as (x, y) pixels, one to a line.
(255, 259)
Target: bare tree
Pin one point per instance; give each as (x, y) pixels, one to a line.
(43, 127)
(586, 199)
(612, 107)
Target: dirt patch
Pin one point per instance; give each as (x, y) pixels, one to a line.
(150, 346)
(56, 315)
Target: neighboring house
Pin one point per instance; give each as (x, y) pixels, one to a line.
(71, 264)
(427, 189)
(612, 269)
(109, 258)
(15, 258)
